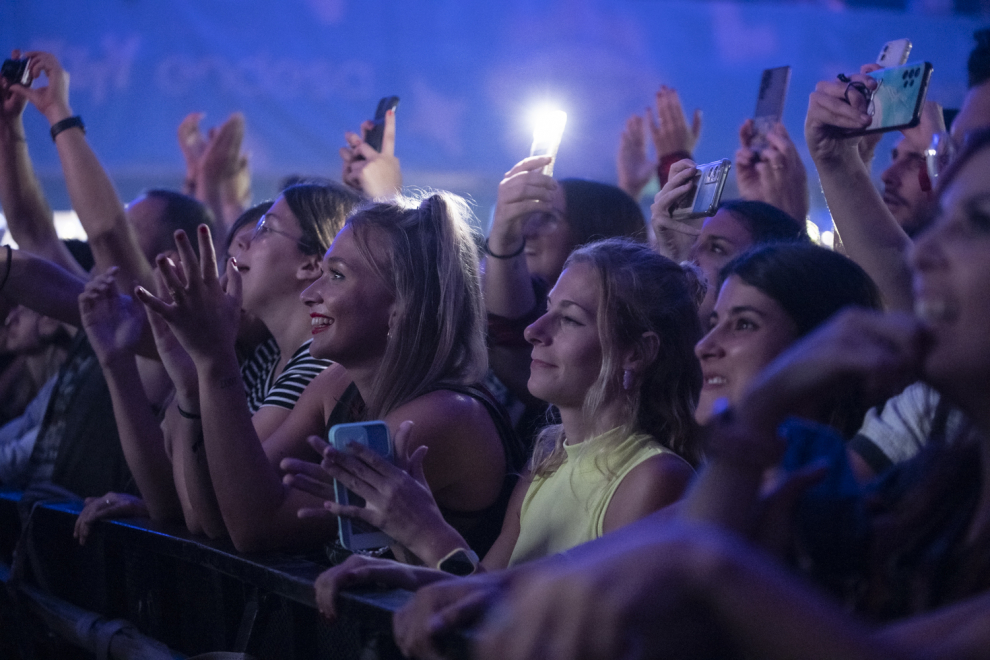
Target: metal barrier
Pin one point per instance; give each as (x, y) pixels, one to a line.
(190, 594)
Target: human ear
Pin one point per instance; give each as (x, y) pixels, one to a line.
(310, 269)
(642, 354)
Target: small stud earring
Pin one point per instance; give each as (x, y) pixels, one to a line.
(627, 379)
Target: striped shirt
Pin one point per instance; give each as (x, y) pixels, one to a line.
(261, 384)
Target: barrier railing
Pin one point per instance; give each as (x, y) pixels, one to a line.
(189, 594)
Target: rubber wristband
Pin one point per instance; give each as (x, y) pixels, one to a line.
(515, 254)
(187, 415)
(66, 124)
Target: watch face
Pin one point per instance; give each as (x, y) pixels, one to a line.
(458, 564)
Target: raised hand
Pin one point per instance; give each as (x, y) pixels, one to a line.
(671, 133)
(11, 105)
(52, 100)
(634, 166)
(192, 143)
(524, 190)
(376, 174)
(834, 109)
(113, 322)
(776, 175)
(202, 315)
(178, 364)
(674, 238)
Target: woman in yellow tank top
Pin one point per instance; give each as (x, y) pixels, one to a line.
(614, 355)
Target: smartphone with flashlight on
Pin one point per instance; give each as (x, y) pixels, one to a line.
(375, 135)
(547, 134)
(704, 197)
(769, 104)
(894, 53)
(357, 534)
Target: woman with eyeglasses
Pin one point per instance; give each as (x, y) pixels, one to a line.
(277, 249)
(537, 223)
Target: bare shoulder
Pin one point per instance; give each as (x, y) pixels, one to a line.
(443, 409)
(666, 474)
(654, 484)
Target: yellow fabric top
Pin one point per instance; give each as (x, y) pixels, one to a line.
(568, 507)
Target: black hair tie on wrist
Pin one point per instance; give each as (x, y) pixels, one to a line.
(66, 124)
(515, 254)
(187, 415)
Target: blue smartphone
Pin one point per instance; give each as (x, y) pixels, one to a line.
(357, 534)
(899, 98)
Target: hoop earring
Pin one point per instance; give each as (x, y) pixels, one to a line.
(627, 379)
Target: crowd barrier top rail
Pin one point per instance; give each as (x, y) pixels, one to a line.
(188, 592)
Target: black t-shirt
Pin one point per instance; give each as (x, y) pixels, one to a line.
(78, 447)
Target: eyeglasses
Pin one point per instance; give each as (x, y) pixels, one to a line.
(263, 228)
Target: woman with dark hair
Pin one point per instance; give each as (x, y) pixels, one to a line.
(397, 306)
(768, 298)
(922, 584)
(710, 243)
(537, 223)
(613, 354)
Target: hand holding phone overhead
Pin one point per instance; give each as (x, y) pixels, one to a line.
(369, 163)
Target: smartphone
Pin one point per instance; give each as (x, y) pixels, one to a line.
(547, 134)
(703, 200)
(357, 534)
(899, 98)
(770, 103)
(375, 135)
(894, 53)
(16, 72)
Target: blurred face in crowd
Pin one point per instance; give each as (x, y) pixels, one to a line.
(28, 331)
(567, 349)
(951, 262)
(549, 240)
(270, 261)
(723, 236)
(349, 305)
(145, 215)
(902, 192)
(748, 330)
(974, 113)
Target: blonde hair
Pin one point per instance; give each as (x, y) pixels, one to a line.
(640, 292)
(425, 252)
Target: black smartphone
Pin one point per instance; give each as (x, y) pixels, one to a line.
(899, 98)
(770, 103)
(375, 135)
(16, 72)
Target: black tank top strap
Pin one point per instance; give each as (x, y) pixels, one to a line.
(484, 525)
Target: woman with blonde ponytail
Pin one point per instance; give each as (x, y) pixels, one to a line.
(398, 310)
(614, 354)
